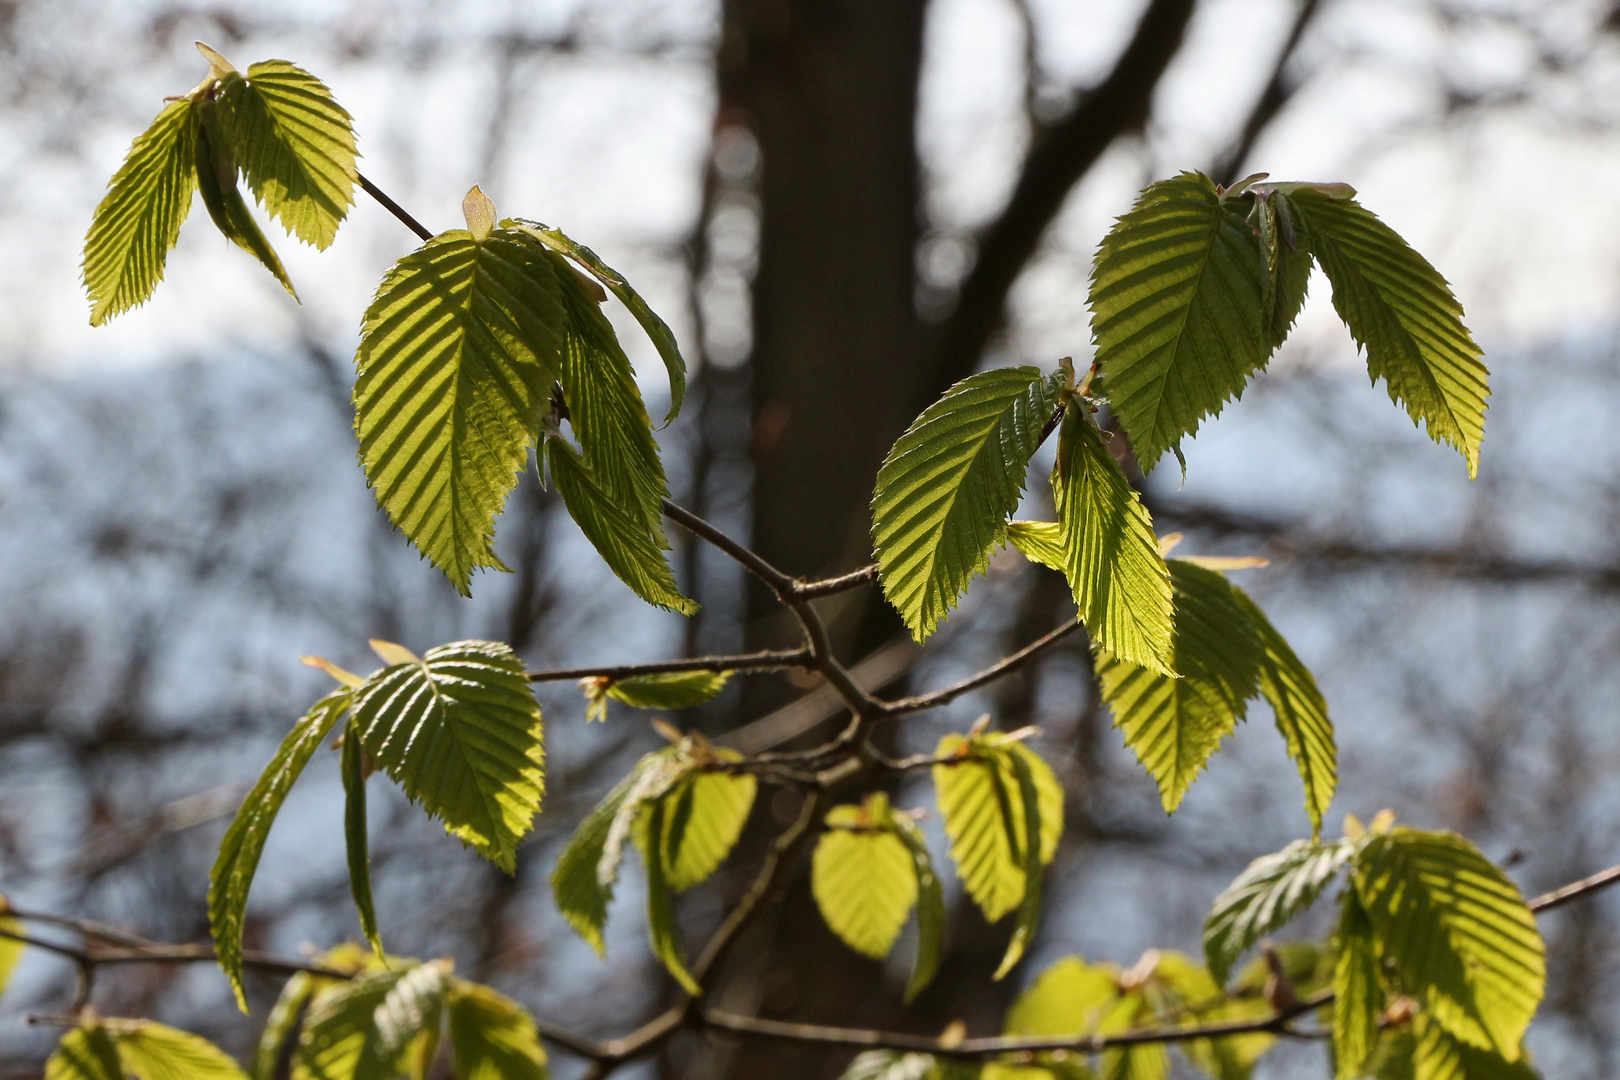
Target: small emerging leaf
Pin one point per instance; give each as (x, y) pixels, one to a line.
(479, 211)
(863, 877)
(669, 690)
(1040, 542)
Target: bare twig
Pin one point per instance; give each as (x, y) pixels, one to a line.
(812, 590)
(988, 675)
(393, 207)
(769, 660)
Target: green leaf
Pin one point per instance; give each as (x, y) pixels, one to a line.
(1114, 565)
(1358, 998)
(891, 1065)
(1029, 908)
(1150, 1061)
(580, 895)
(150, 1051)
(216, 182)
(239, 851)
(669, 690)
(707, 813)
(458, 353)
(139, 218)
(1301, 713)
(1261, 900)
(412, 1010)
(85, 1053)
(655, 774)
(930, 907)
(295, 145)
(1403, 313)
(460, 731)
(276, 1042)
(1176, 294)
(1458, 934)
(619, 534)
(493, 1037)
(1286, 261)
(354, 835)
(661, 929)
(1173, 725)
(1071, 997)
(949, 484)
(656, 329)
(985, 825)
(340, 1039)
(863, 876)
(1040, 542)
(616, 441)
(11, 949)
(1435, 1055)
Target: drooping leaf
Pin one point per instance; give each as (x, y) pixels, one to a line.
(1287, 263)
(659, 333)
(1176, 294)
(1040, 542)
(139, 219)
(1403, 313)
(863, 877)
(85, 1053)
(669, 690)
(1301, 712)
(619, 534)
(949, 484)
(239, 851)
(151, 1051)
(1114, 566)
(707, 812)
(1457, 932)
(1358, 999)
(458, 353)
(354, 836)
(985, 822)
(216, 182)
(294, 144)
(930, 907)
(276, 1041)
(460, 732)
(1173, 725)
(654, 775)
(1436, 1055)
(580, 895)
(1271, 891)
(1029, 908)
(661, 928)
(492, 1037)
(340, 1039)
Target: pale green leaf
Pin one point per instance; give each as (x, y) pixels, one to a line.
(654, 775)
(139, 219)
(1149, 1061)
(1436, 1055)
(1029, 908)
(863, 877)
(669, 690)
(354, 835)
(1392, 1059)
(492, 1037)
(1403, 313)
(1300, 710)
(340, 1039)
(1114, 565)
(276, 1042)
(661, 929)
(461, 733)
(930, 907)
(985, 823)
(1186, 990)
(458, 353)
(11, 949)
(85, 1053)
(1176, 295)
(580, 895)
(239, 851)
(949, 484)
(1271, 891)
(1071, 997)
(1040, 542)
(1457, 932)
(412, 1008)
(216, 183)
(1173, 725)
(295, 146)
(707, 812)
(151, 1051)
(1358, 997)
(656, 329)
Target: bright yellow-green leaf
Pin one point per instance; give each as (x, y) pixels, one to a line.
(661, 929)
(150, 1051)
(460, 731)
(1358, 999)
(580, 895)
(863, 878)
(1070, 997)
(276, 1041)
(669, 690)
(244, 840)
(11, 949)
(1271, 891)
(139, 219)
(457, 357)
(85, 1053)
(707, 812)
(492, 1037)
(949, 484)
(340, 1039)
(1436, 1055)
(1113, 563)
(412, 1012)
(1040, 542)
(216, 183)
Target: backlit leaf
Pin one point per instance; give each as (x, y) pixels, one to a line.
(492, 1037)
(661, 928)
(930, 907)
(1029, 908)
(669, 690)
(1040, 542)
(11, 949)
(216, 183)
(412, 1008)
(85, 1053)
(580, 895)
(1271, 891)
(707, 812)
(151, 1051)
(354, 835)
(1070, 997)
(1436, 1055)
(863, 877)
(340, 1039)
(276, 1042)
(1358, 999)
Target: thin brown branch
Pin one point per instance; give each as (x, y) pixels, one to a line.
(988, 675)
(1575, 890)
(779, 583)
(768, 660)
(393, 207)
(813, 590)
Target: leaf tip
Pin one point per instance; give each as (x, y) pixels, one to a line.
(218, 66)
(479, 210)
(392, 654)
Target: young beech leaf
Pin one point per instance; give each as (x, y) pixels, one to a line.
(139, 219)
(413, 1007)
(863, 877)
(294, 144)
(1029, 908)
(1176, 294)
(930, 907)
(85, 1053)
(11, 949)
(150, 1051)
(1173, 725)
(669, 690)
(1300, 711)
(492, 1037)
(458, 353)
(1287, 263)
(1358, 999)
(580, 894)
(656, 329)
(354, 835)
(216, 182)
(947, 487)
(1071, 997)
(661, 929)
(1271, 891)
(244, 840)
(276, 1040)
(1150, 1061)
(1040, 542)
(1403, 313)
(479, 212)
(1457, 933)
(707, 812)
(979, 798)
(1434, 1054)
(1113, 562)
(460, 731)
(894, 1065)
(341, 1039)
